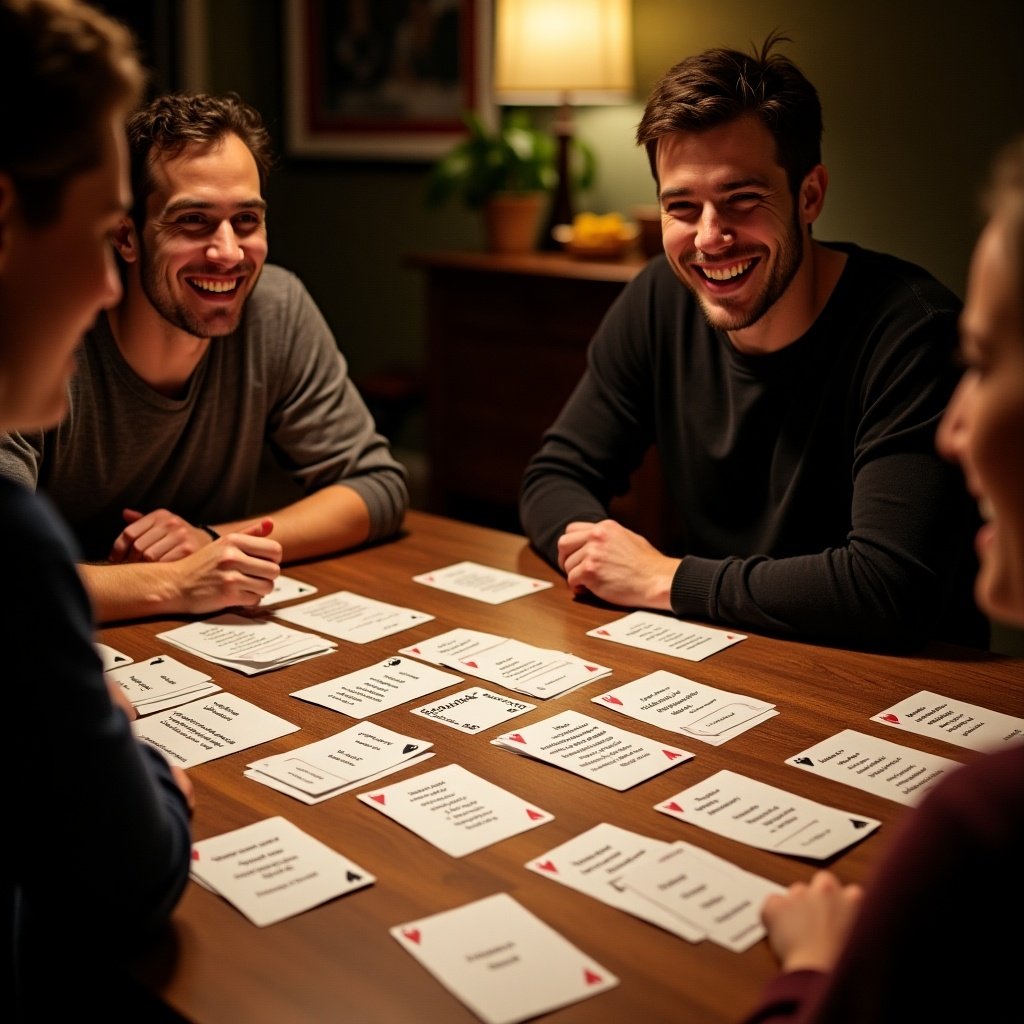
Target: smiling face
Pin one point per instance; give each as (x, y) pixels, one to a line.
(983, 428)
(730, 227)
(204, 242)
(54, 280)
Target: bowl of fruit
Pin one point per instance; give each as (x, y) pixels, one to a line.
(595, 236)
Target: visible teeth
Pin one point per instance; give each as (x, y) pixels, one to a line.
(985, 508)
(215, 286)
(726, 273)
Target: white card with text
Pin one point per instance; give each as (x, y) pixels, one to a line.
(955, 721)
(602, 753)
(455, 810)
(501, 961)
(352, 617)
(877, 766)
(377, 687)
(208, 728)
(652, 631)
(272, 870)
(482, 582)
(760, 815)
(682, 706)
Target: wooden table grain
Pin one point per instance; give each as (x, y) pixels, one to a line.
(338, 962)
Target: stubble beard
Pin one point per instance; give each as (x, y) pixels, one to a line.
(179, 315)
(718, 315)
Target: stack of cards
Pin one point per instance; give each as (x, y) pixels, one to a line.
(705, 892)
(272, 870)
(247, 645)
(321, 770)
(535, 671)
(666, 635)
(160, 683)
(599, 752)
(352, 617)
(501, 961)
(682, 706)
(681, 888)
(377, 687)
(206, 729)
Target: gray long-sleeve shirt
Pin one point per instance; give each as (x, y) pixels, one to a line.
(279, 379)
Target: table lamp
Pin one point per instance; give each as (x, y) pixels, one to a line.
(563, 52)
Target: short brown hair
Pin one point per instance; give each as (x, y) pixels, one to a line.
(720, 85)
(173, 121)
(63, 67)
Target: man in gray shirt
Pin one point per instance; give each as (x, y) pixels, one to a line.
(209, 356)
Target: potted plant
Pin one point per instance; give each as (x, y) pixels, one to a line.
(507, 173)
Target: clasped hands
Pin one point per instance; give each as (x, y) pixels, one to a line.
(235, 570)
(616, 565)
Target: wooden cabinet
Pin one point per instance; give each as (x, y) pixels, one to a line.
(506, 343)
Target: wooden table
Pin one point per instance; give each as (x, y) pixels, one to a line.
(337, 962)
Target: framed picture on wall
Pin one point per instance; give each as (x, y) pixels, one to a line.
(384, 79)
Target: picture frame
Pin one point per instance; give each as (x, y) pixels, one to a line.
(384, 79)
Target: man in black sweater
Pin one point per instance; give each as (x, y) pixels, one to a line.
(792, 389)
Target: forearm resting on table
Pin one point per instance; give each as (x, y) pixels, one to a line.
(332, 519)
(133, 590)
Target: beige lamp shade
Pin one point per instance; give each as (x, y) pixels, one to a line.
(550, 51)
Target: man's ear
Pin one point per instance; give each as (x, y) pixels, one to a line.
(126, 241)
(812, 194)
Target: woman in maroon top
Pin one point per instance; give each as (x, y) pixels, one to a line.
(934, 936)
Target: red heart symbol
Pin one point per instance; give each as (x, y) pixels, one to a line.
(412, 934)
(379, 797)
(610, 699)
(533, 815)
(547, 866)
(591, 978)
(673, 806)
(515, 736)
(890, 718)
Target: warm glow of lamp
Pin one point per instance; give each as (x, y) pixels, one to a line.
(565, 52)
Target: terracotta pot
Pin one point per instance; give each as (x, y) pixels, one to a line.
(512, 221)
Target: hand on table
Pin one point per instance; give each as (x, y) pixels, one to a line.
(237, 570)
(616, 565)
(158, 536)
(808, 924)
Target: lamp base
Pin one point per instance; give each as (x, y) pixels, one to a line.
(562, 208)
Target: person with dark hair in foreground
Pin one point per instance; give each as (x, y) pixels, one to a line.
(98, 829)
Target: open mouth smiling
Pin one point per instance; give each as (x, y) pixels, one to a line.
(214, 286)
(725, 273)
